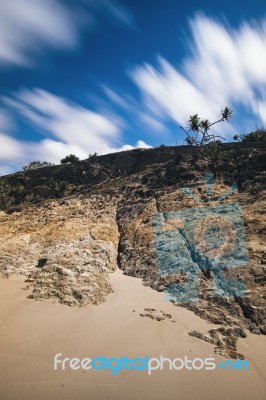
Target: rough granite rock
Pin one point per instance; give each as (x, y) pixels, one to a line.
(225, 340)
(67, 243)
(66, 248)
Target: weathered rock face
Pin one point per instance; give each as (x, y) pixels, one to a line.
(138, 256)
(67, 247)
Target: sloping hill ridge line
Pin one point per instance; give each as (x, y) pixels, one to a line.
(68, 227)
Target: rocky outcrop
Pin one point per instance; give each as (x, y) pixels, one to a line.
(68, 239)
(66, 248)
(224, 340)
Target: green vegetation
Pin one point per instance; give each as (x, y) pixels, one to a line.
(259, 135)
(198, 132)
(93, 156)
(58, 186)
(208, 145)
(7, 194)
(212, 154)
(36, 165)
(70, 159)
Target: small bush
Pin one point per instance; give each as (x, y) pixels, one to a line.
(57, 186)
(8, 194)
(70, 159)
(36, 165)
(93, 156)
(259, 135)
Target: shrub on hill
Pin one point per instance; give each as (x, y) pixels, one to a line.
(36, 165)
(259, 135)
(70, 159)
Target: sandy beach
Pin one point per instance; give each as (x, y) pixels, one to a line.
(32, 332)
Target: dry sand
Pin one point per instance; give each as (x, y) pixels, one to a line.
(32, 332)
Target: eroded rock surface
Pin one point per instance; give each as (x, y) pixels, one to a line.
(224, 340)
(68, 246)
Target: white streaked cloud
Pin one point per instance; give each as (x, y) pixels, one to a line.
(166, 91)
(67, 122)
(226, 67)
(67, 128)
(6, 121)
(27, 27)
(151, 122)
(27, 24)
(115, 98)
(144, 118)
(10, 148)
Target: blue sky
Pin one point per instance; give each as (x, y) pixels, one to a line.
(101, 75)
